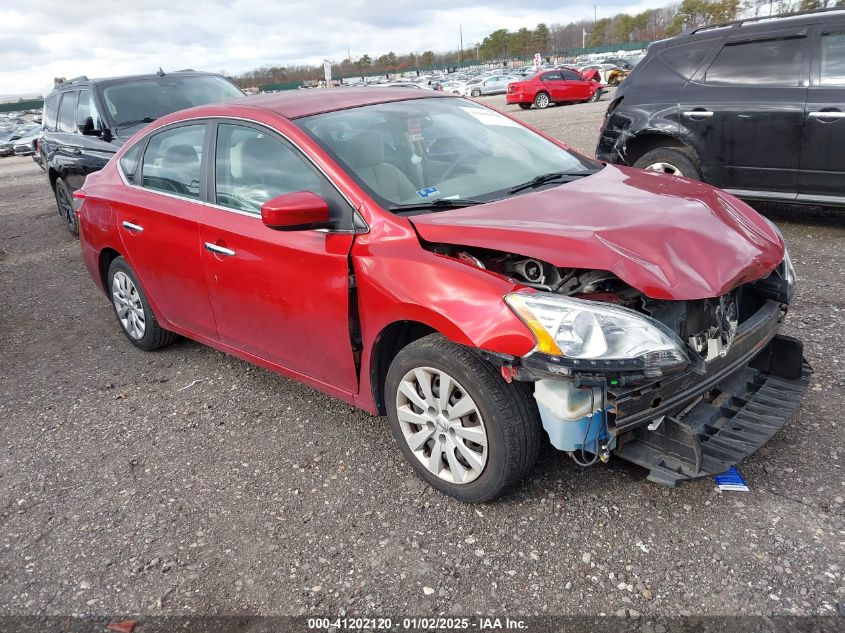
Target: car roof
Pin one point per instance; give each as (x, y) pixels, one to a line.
(294, 104)
(79, 82)
(763, 23)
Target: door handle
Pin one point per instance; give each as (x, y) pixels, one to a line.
(136, 228)
(698, 114)
(826, 114)
(219, 250)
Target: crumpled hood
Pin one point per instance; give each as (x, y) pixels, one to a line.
(668, 237)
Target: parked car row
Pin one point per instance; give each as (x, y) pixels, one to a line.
(17, 136)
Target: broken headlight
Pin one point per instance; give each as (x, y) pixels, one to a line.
(591, 335)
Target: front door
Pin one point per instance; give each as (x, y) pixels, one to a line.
(745, 112)
(822, 157)
(578, 88)
(282, 296)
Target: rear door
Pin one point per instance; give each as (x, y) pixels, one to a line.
(60, 141)
(554, 84)
(744, 112)
(157, 217)
(822, 157)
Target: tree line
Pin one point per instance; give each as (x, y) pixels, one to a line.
(548, 39)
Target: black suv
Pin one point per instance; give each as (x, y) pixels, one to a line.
(756, 107)
(86, 121)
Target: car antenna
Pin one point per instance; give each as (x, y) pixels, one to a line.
(160, 72)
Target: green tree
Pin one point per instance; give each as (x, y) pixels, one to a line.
(540, 43)
(427, 58)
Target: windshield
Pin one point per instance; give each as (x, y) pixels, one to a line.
(422, 150)
(144, 100)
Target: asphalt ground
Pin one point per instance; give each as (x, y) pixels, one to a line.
(187, 482)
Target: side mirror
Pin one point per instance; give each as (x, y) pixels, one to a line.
(297, 211)
(87, 128)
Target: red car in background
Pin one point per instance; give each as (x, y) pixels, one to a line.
(553, 86)
(424, 257)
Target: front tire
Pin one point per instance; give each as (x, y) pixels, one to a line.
(463, 429)
(67, 210)
(672, 161)
(133, 311)
(596, 96)
(542, 101)
(475, 93)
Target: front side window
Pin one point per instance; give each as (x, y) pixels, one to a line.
(770, 62)
(571, 75)
(423, 150)
(87, 116)
(144, 100)
(67, 112)
(251, 167)
(172, 161)
(833, 59)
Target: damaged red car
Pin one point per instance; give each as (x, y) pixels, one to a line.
(430, 259)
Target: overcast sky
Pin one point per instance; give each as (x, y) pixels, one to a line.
(42, 39)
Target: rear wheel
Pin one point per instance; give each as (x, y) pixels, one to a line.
(669, 160)
(542, 100)
(64, 202)
(525, 106)
(462, 428)
(133, 310)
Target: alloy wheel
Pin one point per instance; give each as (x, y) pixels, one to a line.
(442, 425)
(664, 168)
(542, 101)
(127, 304)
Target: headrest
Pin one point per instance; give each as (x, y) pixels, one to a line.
(365, 150)
(180, 156)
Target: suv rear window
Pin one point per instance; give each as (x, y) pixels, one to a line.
(769, 62)
(51, 112)
(686, 58)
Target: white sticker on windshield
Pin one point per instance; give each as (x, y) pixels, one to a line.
(490, 117)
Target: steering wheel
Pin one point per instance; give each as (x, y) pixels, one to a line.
(454, 164)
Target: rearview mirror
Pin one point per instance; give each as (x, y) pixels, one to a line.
(297, 211)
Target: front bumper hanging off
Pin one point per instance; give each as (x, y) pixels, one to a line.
(729, 421)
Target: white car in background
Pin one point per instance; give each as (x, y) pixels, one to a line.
(493, 85)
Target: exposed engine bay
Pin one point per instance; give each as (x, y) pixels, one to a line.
(681, 423)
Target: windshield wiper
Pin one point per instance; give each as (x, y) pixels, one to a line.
(442, 203)
(547, 178)
(146, 119)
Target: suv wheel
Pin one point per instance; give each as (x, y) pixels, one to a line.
(542, 100)
(64, 202)
(668, 160)
(462, 428)
(133, 310)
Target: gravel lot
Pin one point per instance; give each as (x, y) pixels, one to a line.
(189, 482)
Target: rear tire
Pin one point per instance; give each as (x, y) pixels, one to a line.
(542, 101)
(133, 311)
(67, 210)
(525, 106)
(672, 161)
(479, 404)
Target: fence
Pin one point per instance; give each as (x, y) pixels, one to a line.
(18, 106)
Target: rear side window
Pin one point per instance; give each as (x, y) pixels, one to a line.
(67, 112)
(172, 161)
(129, 162)
(51, 112)
(833, 59)
(686, 58)
(770, 62)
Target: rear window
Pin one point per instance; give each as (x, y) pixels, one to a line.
(129, 162)
(686, 58)
(833, 59)
(769, 62)
(67, 112)
(51, 112)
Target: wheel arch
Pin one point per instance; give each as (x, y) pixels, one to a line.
(644, 142)
(106, 257)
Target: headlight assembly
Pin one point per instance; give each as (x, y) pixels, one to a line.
(593, 335)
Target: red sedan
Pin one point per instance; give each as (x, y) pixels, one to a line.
(424, 257)
(553, 86)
